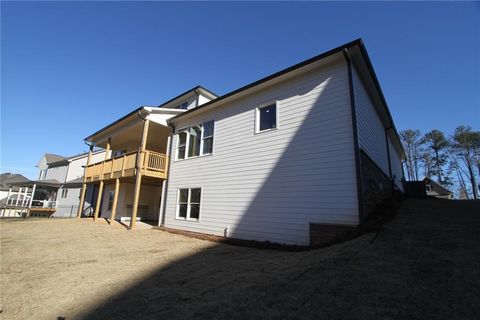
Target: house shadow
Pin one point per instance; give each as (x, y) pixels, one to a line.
(305, 184)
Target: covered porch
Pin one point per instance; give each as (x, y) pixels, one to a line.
(33, 197)
(135, 166)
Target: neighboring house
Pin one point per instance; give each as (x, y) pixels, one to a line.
(57, 189)
(5, 180)
(288, 158)
(435, 189)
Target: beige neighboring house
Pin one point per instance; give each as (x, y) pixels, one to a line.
(435, 189)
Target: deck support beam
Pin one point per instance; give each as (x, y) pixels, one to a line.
(115, 200)
(99, 201)
(84, 184)
(138, 179)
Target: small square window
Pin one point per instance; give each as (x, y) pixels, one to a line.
(267, 117)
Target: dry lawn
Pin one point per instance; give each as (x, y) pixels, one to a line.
(423, 265)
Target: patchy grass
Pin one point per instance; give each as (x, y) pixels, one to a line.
(424, 263)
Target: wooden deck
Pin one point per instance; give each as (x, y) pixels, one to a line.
(151, 164)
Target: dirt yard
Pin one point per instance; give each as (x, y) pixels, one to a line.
(425, 264)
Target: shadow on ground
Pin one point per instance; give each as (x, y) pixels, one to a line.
(425, 264)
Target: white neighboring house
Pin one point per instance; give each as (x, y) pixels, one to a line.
(5, 180)
(56, 192)
(302, 155)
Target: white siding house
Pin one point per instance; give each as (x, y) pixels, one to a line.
(302, 154)
(275, 184)
(270, 185)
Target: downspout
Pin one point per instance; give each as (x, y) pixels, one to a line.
(165, 184)
(389, 159)
(356, 149)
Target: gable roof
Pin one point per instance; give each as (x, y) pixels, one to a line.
(440, 189)
(51, 157)
(7, 178)
(198, 89)
(360, 56)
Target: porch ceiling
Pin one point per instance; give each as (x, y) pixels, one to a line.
(127, 135)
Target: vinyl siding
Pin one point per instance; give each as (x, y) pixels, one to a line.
(58, 173)
(371, 131)
(67, 207)
(271, 185)
(148, 201)
(396, 163)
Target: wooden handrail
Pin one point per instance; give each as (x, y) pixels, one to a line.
(150, 162)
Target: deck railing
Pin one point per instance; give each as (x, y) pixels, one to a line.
(151, 163)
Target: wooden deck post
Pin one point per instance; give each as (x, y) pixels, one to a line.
(138, 179)
(84, 184)
(107, 148)
(115, 200)
(99, 201)
(100, 189)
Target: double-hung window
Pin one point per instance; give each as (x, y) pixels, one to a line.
(182, 143)
(188, 204)
(207, 138)
(195, 141)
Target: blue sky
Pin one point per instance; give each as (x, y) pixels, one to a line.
(69, 68)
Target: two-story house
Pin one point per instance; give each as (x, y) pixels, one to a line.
(56, 192)
(284, 159)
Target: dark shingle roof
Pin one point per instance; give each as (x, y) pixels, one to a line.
(7, 178)
(51, 157)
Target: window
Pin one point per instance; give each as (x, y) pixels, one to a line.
(118, 153)
(188, 207)
(64, 193)
(110, 200)
(428, 187)
(195, 134)
(182, 142)
(183, 105)
(207, 137)
(198, 139)
(266, 118)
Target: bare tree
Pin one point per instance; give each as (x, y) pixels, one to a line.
(462, 186)
(411, 140)
(463, 143)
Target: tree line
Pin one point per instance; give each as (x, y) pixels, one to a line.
(453, 161)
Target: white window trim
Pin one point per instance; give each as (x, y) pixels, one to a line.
(257, 116)
(177, 210)
(187, 141)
